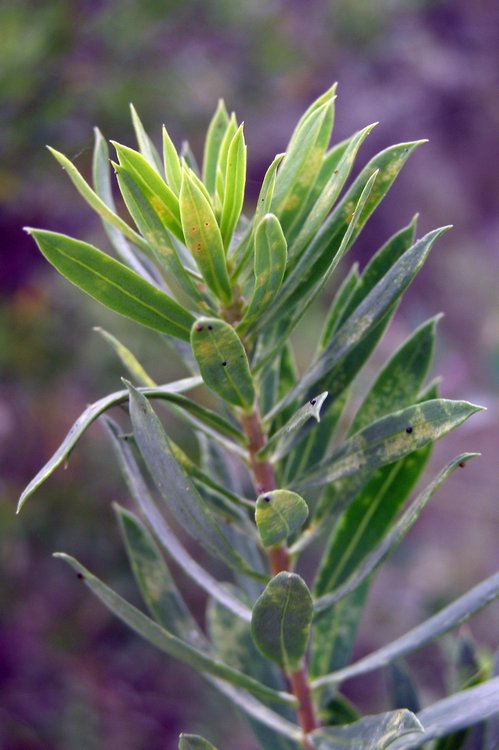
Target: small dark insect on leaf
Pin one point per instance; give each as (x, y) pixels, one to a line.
(313, 402)
(224, 363)
(267, 499)
(80, 576)
(199, 327)
(408, 430)
(210, 328)
(462, 465)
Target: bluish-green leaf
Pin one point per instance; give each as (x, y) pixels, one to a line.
(402, 688)
(448, 618)
(176, 488)
(269, 265)
(235, 183)
(338, 305)
(278, 515)
(194, 742)
(281, 620)
(146, 146)
(222, 361)
(88, 417)
(370, 733)
(170, 644)
(214, 137)
(390, 438)
(113, 284)
(203, 237)
(171, 163)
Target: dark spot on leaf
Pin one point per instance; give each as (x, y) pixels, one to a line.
(210, 328)
(80, 576)
(193, 229)
(408, 430)
(461, 465)
(199, 327)
(207, 223)
(224, 363)
(267, 499)
(313, 401)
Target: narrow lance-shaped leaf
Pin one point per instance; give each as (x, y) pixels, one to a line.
(176, 487)
(141, 495)
(160, 240)
(338, 305)
(235, 182)
(146, 146)
(203, 238)
(161, 198)
(97, 203)
(391, 540)
(229, 134)
(170, 644)
(101, 175)
(370, 733)
(281, 620)
(391, 438)
(278, 515)
(194, 742)
(454, 713)
(269, 266)
(448, 618)
(371, 311)
(171, 163)
(128, 359)
(281, 442)
(214, 137)
(113, 284)
(222, 361)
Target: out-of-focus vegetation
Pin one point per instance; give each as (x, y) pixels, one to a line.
(69, 676)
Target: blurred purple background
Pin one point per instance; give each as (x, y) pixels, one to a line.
(70, 676)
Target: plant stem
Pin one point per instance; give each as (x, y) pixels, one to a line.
(279, 560)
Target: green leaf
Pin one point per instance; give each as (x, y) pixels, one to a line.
(229, 134)
(160, 197)
(170, 644)
(391, 438)
(194, 742)
(113, 284)
(203, 238)
(375, 306)
(176, 488)
(97, 203)
(269, 266)
(101, 174)
(214, 138)
(222, 361)
(129, 360)
(278, 515)
(281, 620)
(85, 420)
(168, 539)
(450, 617)
(160, 240)
(370, 733)
(402, 688)
(235, 182)
(171, 163)
(281, 442)
(146, 146)
(454, 713)
(338, 305)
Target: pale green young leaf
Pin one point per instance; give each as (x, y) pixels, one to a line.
(376, 732)
(269, 265)
(129, 360)
(448, 618)
(113, 284)
(160, 240)
(390, 540)
(187, 156)
(86, 419)
(390, 438)
(302, 123)
(161, 198)
(283, 440)
(171, 163)
(235, 182)
(223, 154)
(101, 175)
(170, 644)
(175, 486)
(374, 307)
(97, 203)
(194, 742)
(281, 620)
(146, 146)
(214, 138)
(168, 539)
(454, 713)
(222, 361)
(278, 515)
(203, 238)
